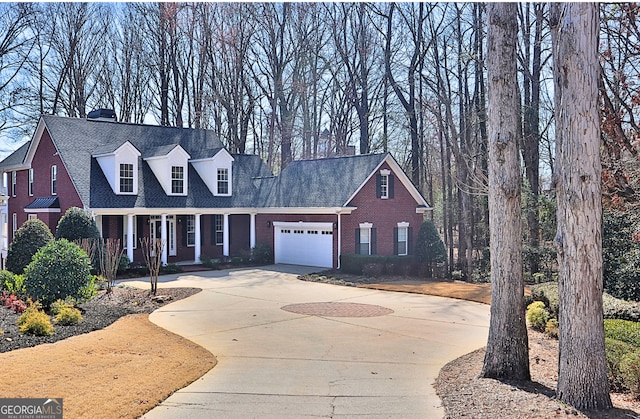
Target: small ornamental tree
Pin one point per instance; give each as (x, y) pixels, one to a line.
(429, 247)
(59, 270)
(28, 239)
(77, 224)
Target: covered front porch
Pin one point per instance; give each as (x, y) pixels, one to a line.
(185, 237)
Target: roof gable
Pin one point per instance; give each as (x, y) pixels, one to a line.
(400, 175)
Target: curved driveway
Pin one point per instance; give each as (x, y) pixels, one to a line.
(274, 363)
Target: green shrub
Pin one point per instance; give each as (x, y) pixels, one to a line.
(171, 268)
(68, 316)
(353, 264)
(548, 294)
(124, 263)
(13, 283)
(621, 255)
(59, 270)
(27, 240)
(630, 371)
(236, 261)
(210, 263)
(623, 330)
(552, 328)
(615, 308)
(615, 351)
(543, 258)
(429, 246)
(34, 321)
(262, 254)
(77, 224)
(375, 265)
(537, 316)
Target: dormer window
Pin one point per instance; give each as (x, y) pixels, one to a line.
(216, 172)
(169, 165)
(126, 178)
(177, 179)
(120, 167)
(223, 181)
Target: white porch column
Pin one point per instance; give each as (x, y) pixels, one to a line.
(198, 244)
(225, 240)
(339, 238)
(98, 220)
(130, 237)
(163, 234)
(252, 231)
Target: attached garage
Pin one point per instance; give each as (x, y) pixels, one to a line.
(308, 244)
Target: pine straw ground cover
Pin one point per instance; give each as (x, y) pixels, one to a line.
(120, 371)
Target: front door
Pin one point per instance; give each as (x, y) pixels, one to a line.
(155, 225)
(156, 232)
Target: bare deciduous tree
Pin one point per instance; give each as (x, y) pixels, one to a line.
(152, 251)
(582, 374)
(507, 355)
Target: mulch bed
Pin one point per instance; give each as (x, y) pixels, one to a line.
(101, 311)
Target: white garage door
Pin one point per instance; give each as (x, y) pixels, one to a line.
(309, 244)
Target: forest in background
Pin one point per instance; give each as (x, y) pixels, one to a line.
(305, 80)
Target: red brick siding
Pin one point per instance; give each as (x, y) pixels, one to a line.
(44, 157)
(384, 214)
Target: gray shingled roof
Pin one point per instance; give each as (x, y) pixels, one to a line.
(320, 183)
(16, 158)
(78, 139)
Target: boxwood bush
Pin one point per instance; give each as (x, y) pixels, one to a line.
(59, 270)
(623, 330)
(77, 224)
(377, 265)
(28, 239)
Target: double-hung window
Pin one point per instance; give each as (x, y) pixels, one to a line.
(365, 239)
(54, 179)
(219, 225)
(223, 181)
(126, 178)
(384, 186)
(13, 183)
(177, 179)
(191, 230)
(31, 182)
(402, 241)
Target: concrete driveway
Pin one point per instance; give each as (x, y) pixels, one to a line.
(293, 349)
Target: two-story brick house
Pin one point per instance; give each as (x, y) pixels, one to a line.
(182, 186)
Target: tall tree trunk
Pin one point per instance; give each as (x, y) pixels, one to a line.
(582, 373)
(507, 355)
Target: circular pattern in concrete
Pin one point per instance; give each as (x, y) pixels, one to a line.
(334, 309)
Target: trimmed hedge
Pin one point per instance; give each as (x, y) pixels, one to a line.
(28, 239)
(373, 265)
(59, 270)
(623, 330)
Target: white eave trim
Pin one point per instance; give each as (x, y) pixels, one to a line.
(210, 211)
(306, 210)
